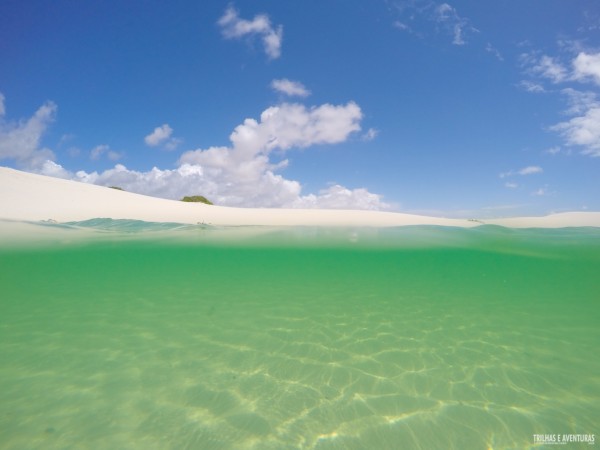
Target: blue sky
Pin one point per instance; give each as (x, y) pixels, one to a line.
(465, 108)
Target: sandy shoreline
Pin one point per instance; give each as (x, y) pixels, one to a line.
(30, 197)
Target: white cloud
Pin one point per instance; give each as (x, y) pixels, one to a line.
(234, 27)
(553, 150)
(291, 88)
(267, 190)
(339, 197)
(511, 185)
(550, 68)
(242, 174)
(540, 192)
(2, 109)
(174, 184)
(21, 141)
(544, 66)
(293, 125)
(239, 175)
(52, 169)
(529, 170)
(159, 135)
(586, 66)
(583, 131)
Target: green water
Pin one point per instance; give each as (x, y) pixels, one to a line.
(305, 339)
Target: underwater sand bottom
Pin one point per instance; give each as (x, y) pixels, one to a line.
(316, 373)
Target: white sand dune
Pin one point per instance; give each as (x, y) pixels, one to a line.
(30, 197)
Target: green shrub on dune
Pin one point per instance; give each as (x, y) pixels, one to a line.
(197, 199)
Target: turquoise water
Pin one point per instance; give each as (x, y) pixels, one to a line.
(162, 336)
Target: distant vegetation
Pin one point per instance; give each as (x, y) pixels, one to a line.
(197, 199)
(117, 188)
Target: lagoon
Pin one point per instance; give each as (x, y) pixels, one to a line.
(164, 336)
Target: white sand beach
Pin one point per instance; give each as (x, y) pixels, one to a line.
(31, 197)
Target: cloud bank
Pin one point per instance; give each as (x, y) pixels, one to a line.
(241, 174)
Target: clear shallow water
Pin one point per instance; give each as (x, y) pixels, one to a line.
(157, 336)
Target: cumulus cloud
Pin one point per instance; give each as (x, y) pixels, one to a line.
(234, 27)
(587, 66)
(159, 135)
(52, 169)
(291, 88)
(173, 184)
(2, 109)
(583, 131)
(290, 125)
(243, 173)
(266, 190)
(240, 174)
(339, 197)
(20, 141)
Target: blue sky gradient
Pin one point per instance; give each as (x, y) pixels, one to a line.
(465, 108)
